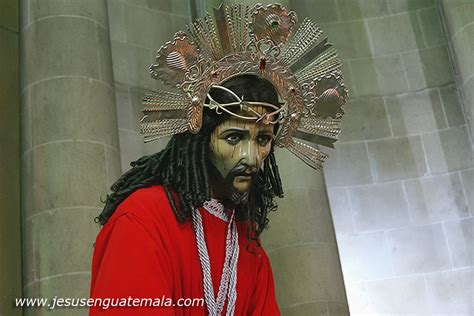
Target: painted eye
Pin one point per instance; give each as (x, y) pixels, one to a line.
(233, 139)
(263, 140)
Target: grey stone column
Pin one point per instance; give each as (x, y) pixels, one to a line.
(458, 16)
(10, 236)
(301, 244)
(70, 151)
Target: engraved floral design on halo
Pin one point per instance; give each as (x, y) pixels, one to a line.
(274, 22)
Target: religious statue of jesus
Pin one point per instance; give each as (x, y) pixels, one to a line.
(185, 223)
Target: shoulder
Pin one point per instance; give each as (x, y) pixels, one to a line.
(147, 205)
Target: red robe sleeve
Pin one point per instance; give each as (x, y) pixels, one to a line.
(128, 262)
(263, 300)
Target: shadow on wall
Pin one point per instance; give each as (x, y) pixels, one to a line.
(400, 180)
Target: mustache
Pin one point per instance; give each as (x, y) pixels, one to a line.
(242, 170)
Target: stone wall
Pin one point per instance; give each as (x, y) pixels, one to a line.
(400, 181)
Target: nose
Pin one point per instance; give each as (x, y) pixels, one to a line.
(250, 154)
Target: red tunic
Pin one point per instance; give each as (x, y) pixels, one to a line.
(143, 252)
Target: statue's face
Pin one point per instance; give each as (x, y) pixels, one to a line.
(238, 148)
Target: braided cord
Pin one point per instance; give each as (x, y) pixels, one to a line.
(228, 282)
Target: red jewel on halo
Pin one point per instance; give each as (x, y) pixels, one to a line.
(263, 63)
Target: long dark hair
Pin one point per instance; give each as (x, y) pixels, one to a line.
(183, 166)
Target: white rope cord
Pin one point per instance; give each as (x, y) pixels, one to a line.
(205, 267)
(228, 282)
(232, 294)
(224, 283)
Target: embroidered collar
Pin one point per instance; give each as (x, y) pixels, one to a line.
(216, 208)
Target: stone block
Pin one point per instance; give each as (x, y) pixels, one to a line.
(431, 26)
(468, 182)
(9, 15)
(399, 6)
(131, 148)
(124, 111)
(429, 67)
(448, 150)
(9, 94)
(379, 206)
(65, 286)
(317, 309)
(141, 3)
(114, 168)
(381, 76)
(460, 237)
(87, 113)
(91, 9)
(155, 146)
(320, 11)
(313, 308)
(136, 95)
(320, 213)
(452, 105)
(63, 174)
(131, 64)
(26, 112)
(458, 13)
(468, 92)
(341, 210)
(365, 119)
(171, 6)
(358, 298)
(357, 9)
(415, 113)
(348, 165)
(436, 199)
(25, 17)
(316, 278)
(464, 50)
(310, 198)
(354, 41)
(397, 158)
(301, 229)
(61, 229)
(452, 292)
(294, 172)
(150, 28)
(104, 56)
(116, 13)
(338, 308)
(364, 257)
(407, 37)
(60, 46)
(418, 249)
(403, 296)
(348, 78)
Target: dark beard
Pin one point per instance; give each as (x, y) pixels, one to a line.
(232, 197)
